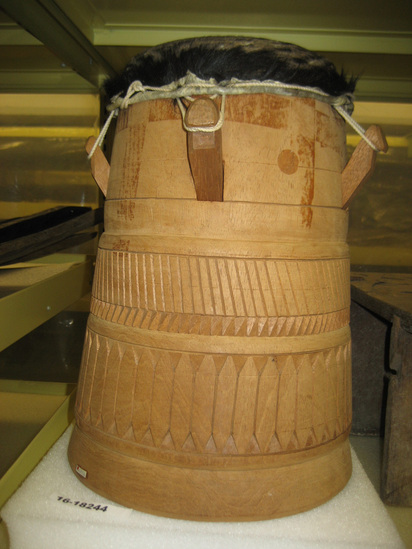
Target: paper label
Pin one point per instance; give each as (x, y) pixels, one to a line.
(80, 471)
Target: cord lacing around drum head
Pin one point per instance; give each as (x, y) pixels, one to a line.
(190, 85)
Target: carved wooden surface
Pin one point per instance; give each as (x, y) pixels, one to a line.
(276, 149)
(216, 369)
(212, 493)
(214, 403)
(298, 296)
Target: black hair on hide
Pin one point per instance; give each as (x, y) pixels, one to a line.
(223, 58)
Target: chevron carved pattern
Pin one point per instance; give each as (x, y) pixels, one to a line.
(221, 296)
(214, 403)
(219, 325)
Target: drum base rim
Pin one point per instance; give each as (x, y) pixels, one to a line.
(219, 495)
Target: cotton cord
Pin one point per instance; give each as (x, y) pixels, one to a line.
(357, 127)
(190, 85)
(103, 132)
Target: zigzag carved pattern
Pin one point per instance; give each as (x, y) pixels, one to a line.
(207, 404)
(219, 325)
(232, 287)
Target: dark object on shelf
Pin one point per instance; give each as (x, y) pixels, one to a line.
(369, 370)
(33, 236)
(390, 297)
(51, 353)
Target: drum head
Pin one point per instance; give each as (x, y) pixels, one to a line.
(223, 58)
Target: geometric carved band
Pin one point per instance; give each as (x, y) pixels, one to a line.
(222, 286)
(217, 324)
(213, 404)
(192, 343)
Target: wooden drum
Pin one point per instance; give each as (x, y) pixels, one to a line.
(216, 375)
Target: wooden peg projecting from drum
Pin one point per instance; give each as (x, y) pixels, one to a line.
(204, 150)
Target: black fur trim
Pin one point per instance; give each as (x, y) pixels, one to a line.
(223, 58)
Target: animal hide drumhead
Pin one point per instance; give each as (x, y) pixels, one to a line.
(223, 58)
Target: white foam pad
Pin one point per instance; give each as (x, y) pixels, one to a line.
(43, 514)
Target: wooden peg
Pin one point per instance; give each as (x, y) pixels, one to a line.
(205, 150)
(361, 164)
(100, 168)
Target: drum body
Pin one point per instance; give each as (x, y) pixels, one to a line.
(216, 375)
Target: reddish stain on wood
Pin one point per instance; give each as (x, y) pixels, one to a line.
(259, 109)
(306, 150)
(122, 120)
(121, 244)
(125, 209)
(288, 161)
(328, 132)
(163, 110)
(309, 188)
(307, 215)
